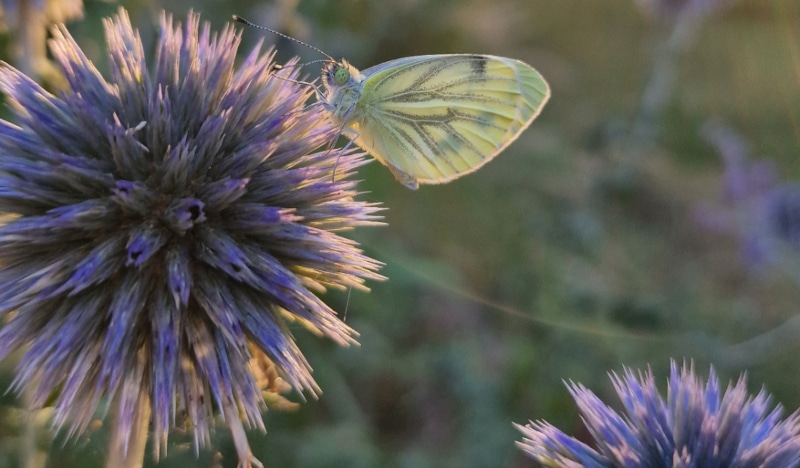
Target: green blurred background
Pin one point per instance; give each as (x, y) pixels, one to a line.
(574, 253)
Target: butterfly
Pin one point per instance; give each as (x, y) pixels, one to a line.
(432, 118)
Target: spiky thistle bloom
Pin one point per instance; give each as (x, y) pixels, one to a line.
(697, 426)
(163, 225)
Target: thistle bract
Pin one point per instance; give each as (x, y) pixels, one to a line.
(696, 426)
(163, 225)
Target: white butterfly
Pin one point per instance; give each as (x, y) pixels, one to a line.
(432, 118)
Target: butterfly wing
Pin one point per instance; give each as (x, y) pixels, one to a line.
(434, 118)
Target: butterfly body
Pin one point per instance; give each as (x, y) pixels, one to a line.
(433, 118)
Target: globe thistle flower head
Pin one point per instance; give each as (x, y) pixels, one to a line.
(162, 226)
(697, 425)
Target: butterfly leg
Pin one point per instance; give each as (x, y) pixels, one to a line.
(351, 139)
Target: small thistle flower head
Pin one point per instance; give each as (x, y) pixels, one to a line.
(755, 206)
(162, 227)
(697, 425)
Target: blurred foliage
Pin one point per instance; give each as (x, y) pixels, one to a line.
(573, 253)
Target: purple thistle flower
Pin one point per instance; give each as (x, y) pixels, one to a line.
(756, 207)
(696, 426)
(163, 225)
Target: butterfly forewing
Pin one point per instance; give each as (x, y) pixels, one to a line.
(433, 118)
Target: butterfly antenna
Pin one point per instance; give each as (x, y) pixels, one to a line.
(277, 67)
(239, 19)
(316, 61)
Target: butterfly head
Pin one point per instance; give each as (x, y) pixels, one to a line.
(342, 88)
(339, 74)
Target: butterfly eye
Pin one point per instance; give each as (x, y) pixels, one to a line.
(341, 75)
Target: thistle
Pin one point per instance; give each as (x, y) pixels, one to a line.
(162, 227)
(756, 207)
(697, 426)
